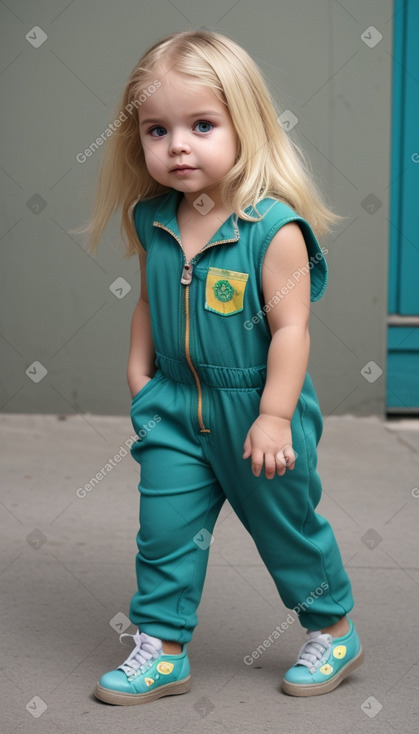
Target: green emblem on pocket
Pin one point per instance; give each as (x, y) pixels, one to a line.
(223, 291)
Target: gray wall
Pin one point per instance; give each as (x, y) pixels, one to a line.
(57, 308)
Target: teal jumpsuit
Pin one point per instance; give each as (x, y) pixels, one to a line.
(211, 338)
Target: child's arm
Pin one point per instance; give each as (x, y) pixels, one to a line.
(269, 438)
(141, 357)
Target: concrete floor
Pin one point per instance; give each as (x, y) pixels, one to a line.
(67, 576)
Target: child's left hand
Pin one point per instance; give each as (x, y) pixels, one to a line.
(270, 438)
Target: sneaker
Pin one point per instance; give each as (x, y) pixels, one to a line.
(323, 662)
(148, 673)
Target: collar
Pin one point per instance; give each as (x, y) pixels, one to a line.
(166, 215)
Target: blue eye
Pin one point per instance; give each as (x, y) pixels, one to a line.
(160, 131)
(203, 124)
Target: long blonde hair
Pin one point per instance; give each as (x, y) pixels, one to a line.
(269, 163)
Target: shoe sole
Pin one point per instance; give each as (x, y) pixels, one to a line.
(131, 699)
(316, 689)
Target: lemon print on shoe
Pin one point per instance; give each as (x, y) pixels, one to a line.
(339, 652)
(148, 681)
(165, 668)
(326, 669)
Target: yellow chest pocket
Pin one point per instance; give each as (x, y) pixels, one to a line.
(224, 291)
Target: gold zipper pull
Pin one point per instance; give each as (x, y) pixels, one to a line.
(186, 274)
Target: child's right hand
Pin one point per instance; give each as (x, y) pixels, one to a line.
(269, 441)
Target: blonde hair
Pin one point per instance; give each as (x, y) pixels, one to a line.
(269, 163)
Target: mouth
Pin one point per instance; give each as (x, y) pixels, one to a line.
(182, 168)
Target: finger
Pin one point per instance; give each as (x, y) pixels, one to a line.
(281, 463)
(270, 466)
(290, 457)
(257, 462)
(247, 448)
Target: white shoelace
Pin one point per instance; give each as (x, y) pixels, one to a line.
(146, 650)
(312, 652)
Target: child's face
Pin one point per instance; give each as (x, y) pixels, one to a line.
(183, 124)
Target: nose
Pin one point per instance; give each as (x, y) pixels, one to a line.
(179, 143)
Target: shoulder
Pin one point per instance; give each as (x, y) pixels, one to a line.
(278, 221)
(145, 207)
(286, 250)
(271, 209)
(289, 237)
(143, 214)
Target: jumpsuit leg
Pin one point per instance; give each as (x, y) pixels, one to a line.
(297, 544)
(179, 504)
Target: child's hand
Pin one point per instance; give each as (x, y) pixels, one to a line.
(270, 438)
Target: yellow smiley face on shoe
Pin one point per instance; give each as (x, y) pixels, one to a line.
(339, 652)
(326, 669)
(165, 668)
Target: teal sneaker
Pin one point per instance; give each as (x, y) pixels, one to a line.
(148, 673)
(323, 662)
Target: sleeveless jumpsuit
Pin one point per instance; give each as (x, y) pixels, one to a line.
(211, 341)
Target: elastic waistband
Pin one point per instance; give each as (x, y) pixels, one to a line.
(212, 375)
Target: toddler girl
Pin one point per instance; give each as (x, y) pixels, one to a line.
(216, 201)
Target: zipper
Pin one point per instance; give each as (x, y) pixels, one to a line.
(186, 279)
(188, 268)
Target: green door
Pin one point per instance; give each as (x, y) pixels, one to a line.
(403, 307)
